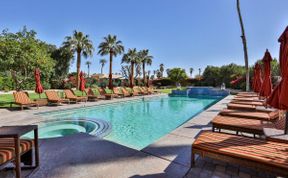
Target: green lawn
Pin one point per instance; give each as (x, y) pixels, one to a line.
(169, 90)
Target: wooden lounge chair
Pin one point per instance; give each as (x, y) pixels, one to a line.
(72, 97)
(247, 94)
(131, 91)
(117, 92)
(90, 94)
(103, 92)
(255, 103)
(241, 106)
(255, 127)
(54, 98)
(247, 99)
(138, 90)
(125, 92)
(93, 93)
(258, 115)
(250, 152)
(22, 99)
(147, 90)
(238, 124)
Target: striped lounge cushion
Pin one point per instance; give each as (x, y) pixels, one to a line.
(7, 148)
(262, 151)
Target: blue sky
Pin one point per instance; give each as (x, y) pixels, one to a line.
(184, 33)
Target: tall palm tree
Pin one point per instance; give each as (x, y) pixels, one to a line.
(82, 45)
(113, 47)
(199, 72)
(145, 59)
(191, 71)
(244, 41)
(88, 63)
(102, 62)
(161, 69)
(131, 57)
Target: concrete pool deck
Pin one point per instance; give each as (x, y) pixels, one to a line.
(82, 155)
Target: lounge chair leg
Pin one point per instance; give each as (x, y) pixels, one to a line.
(192, 159)
(237, 132)
(213, 129)
(219, 130)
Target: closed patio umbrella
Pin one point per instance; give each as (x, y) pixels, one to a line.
(82, 82)
(258, 78)
(38, 89)
(279, 97)
(266, 87)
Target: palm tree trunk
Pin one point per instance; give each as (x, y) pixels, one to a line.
(88, 71)
(144, 75)
(132, 75)
(244, 41)
(78, 68)
(110, 71)
(102, 69)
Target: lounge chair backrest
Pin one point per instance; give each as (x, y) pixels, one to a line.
(69, 94)
(101, 91)
(21, 97)
(137, 89)
(116, 90)
(124, 91)
(52, 95)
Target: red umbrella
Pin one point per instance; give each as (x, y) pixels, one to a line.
(266, 88)
(257, 78)
(279, 97)
(82, 82)
(254, 79)
(39, 89)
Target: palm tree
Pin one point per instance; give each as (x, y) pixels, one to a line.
(82, 45)
(199, 72)
(88, 63)
(161, 69)
(244, 41)
(113, 47)
(191, 71)
(131, 57)
(145, 59)
(102, 62)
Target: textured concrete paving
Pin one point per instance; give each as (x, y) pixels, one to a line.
(82, 155)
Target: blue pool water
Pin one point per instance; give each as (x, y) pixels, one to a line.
(138, 123)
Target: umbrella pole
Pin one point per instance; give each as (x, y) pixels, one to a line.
(286, 123)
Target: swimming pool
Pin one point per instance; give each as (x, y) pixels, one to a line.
(138, 123)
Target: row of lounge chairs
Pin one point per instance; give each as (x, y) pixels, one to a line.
(243, 148)
(22, 98)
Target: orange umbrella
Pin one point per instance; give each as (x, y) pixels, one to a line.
(279, 97)
(39, 89)
(266, 88)
(82, 82)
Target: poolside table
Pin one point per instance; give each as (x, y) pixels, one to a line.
(16, 132)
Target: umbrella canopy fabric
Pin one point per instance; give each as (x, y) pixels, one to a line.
(279, 97)
(257, 82)
(254, 79)
(82, 82)
(38, 89)
(266, 88)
